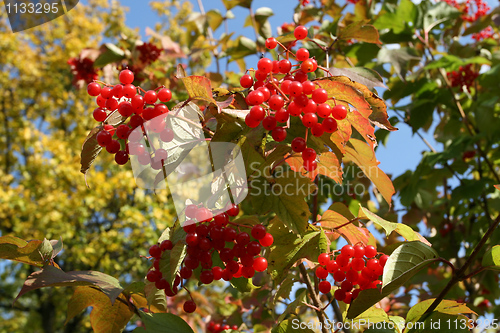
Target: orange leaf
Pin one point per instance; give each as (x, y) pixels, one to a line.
(361, 32)
(335, 218)
(199, 87)
(364, 156)
(363, 126)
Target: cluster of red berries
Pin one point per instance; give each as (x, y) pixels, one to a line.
(126, 99)
(471, 10)
(148, 52)
(214, 327)
(206, 234)
(356, 268)
(83, 69)
(279, 91)
(465, 76)
(483, 34)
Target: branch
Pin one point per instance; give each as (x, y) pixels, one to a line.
(315, 299)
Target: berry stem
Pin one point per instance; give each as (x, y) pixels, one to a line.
(239, 225)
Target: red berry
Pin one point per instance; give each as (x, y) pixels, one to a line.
(233, 210)
(298, 145)
(267, 241)
(352, 276)
(279, 134)
(309, 120)
(339, 276)
(265, 65)
(121, 157)
(301, 76)
(164, 95)
(300, 32)
(258, 231)
(117, 91)
(167, 135)
(129, 91)
(284, 66)
(321, 273)
(243, 238)
(308, 87)
(99, 114)
(186, 273)
(122, 131)
(308, 66)
(189, 306)
(103, 138)
(323, 110)
(207, 277)
(324, 287)
(155, 251)
(126, 76)
(370, 251)
(276, 102)
(111, 104)
(153, 276)
(295, 88)
(348, 251)
(358, 264)
(339, 295)
(294, 109)
(166, 245)
(221, 219)
(137, 102)
(150, 97)
(309, 154)
(113, 147)
(246, 81)
(302, 54)
(383, 259)
(230, 234)
(282, 116)
(332, 266)
(317, 130)
(339, 112)
(269, 123)
(319, 95)
(107, 92)
(260, 264)
(329, 125)
(271, 43)
(93, 89)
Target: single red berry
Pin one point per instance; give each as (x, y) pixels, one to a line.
(295, 88)
(339, 112)
(359, 251)
(352, 275)
(233, 210)
(383, 259)
(136, 121)
(100, 114)
(207, 277)
(301, 76)
(339, 276)
(189, 306)
(121, 157)
(300, 32)
(122, 131)
(279, 134)
(319, 95)
(103, 138)
(282, 116)
(309, 120)
(153, 276)
(166, 245)
(137, 102)
(243, 238)
(298, 144)
(329, 125)
(111, 104)
(247, 272)
(113, 147)
(358, 264)
(230, 234)
(246, 81)
(323, 110)
(260, 264)
(370, 251)
(309, 154)
(267, 241)
(150, 97)
(308, 87)
(284, 66)
(186, 273)
(164, 95)
(93, 89)
(339, 295)
(126, 76)
(271, 43)
(308, 66)
(269, 123)
(323, 259)
(317, 130)
(294, 109)
(117, 91)
(302, 54)
(332, 266)
(276, 102)
(321, 273)
(129, 90)
(324, 287)
(265, 65)
(258, 231)
(155, 251)
(348, 251)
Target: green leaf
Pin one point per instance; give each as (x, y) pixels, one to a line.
(50, 276)
(362, 75)
(372, 315)
(397, 21)
(292, 326)
(230, 4)
(405, 231)
(105, 317)
(405, 262)
(46, 250)
(440, 322)
(110, 53)
(171, 261)
(440, 12)
(398, 58)
(161, 323)
(156, 298)
(300, 296)
(17, 249)
(90, 150)
(360, 31)
(491, 259)
(285, 288)
(288, 248)
(446, 307)
(243, 285)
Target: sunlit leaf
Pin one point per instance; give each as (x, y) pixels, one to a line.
(162, 322)
(360, 31)
(491, 259)
(90, 150)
